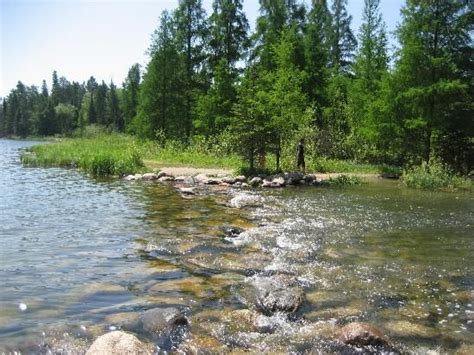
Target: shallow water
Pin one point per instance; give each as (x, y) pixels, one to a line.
(83, 255)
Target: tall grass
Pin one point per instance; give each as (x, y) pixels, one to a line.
(435, 176)
(102, 155)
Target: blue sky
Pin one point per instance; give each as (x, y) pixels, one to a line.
(103, 38)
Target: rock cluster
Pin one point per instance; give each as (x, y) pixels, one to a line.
(274, 181)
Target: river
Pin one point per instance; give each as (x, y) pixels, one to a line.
(78, 256)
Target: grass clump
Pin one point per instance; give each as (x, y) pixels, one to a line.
(343, 180)
(435, 176)
(101, 155)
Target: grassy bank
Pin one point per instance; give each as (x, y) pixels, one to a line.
(118, 155)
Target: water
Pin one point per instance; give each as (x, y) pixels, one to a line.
(79, 256)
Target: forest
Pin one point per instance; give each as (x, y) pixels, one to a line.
(301, 74)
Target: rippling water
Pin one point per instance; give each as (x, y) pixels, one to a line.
(79, 256)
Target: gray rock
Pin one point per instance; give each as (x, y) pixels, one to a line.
(179, 178)
(187, 191)
(166, 178)
(256, 181)
(149, 176)
(213, 181)
(309, 178)
(275, 183)
(229, 180)
(156, 320)
(293, 178)
(362, 334)
(118, 342)
(232, 232)
(240, 178)
(201, 179)
(161, 174)
(277, 293)
(132, 177)
(266, 183)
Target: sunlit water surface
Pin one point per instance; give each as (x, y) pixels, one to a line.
(77, 256)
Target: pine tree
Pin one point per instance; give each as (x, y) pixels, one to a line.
(131, 90)
(191, 36)
(430, 83)
(342, 40)
(114, 113)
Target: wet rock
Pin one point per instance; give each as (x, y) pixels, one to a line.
(188, 190)
(278, 293)
(156, 320)
(243, 200)
(240, 178)
(133, 177)
(213, 181)
(256, 181)
(201, 179)
(166, 178)
(362, 334)
(118, 342)
(309, 178)
(160, 174)
(229, 180)
(232, 232)
(275, 183)
(465, 349)
(203, 344)
(149, 176)
(293, 178)
(409, 329)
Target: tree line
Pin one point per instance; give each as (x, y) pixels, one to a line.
(302, 73)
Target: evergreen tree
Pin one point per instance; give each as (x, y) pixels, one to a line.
(101, 104)
(318, 31)
(115, 116)
(433, 93)
(131, 90)
(342, 40)
(191, 36)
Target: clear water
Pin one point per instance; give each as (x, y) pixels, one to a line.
(82, 255)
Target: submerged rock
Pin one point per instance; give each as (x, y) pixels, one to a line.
(156, 320)
(232, 232)
(278, 293)
(118, 342)
(187, 190)
(244, 199)
(409, 329)
(362, 334)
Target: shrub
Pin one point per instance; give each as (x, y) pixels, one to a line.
(434, 176)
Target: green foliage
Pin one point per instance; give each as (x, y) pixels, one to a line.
(435, 176)
(343, 180)
(98, 155)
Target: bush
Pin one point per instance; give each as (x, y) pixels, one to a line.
(343, 180)
(435, 176)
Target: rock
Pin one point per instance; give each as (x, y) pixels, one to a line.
(187, 190)
(278, 293)
(361, 334)
(309, 178)
(409, 329)
(256, 181)
(166, 178)
(118, 342)
(133, 177)
(156, 320)
(213, 181)
(275, 183)
(160, 174)
(179, 178)
(229, 180)
(240, 178)
(231, 232)
(293, 178)
(243, 200)
(203, 344)
(244, 184)
(465, 349)
(149, 176)
(201, 179)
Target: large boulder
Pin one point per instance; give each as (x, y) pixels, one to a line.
(256, 181)
(118, 342)
(294, 178)
(275, 183)
(277, 293)
(362, 334)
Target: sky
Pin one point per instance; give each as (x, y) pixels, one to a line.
(103, 38)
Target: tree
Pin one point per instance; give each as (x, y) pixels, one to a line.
(431, 84)
(342, 40)
(163, 95)
(372, 60)
(101, 104)
(114, 113)
(131, 90)
(66, 116)
(316, 41)
(191, 37)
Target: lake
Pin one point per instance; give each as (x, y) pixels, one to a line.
(79, 256)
